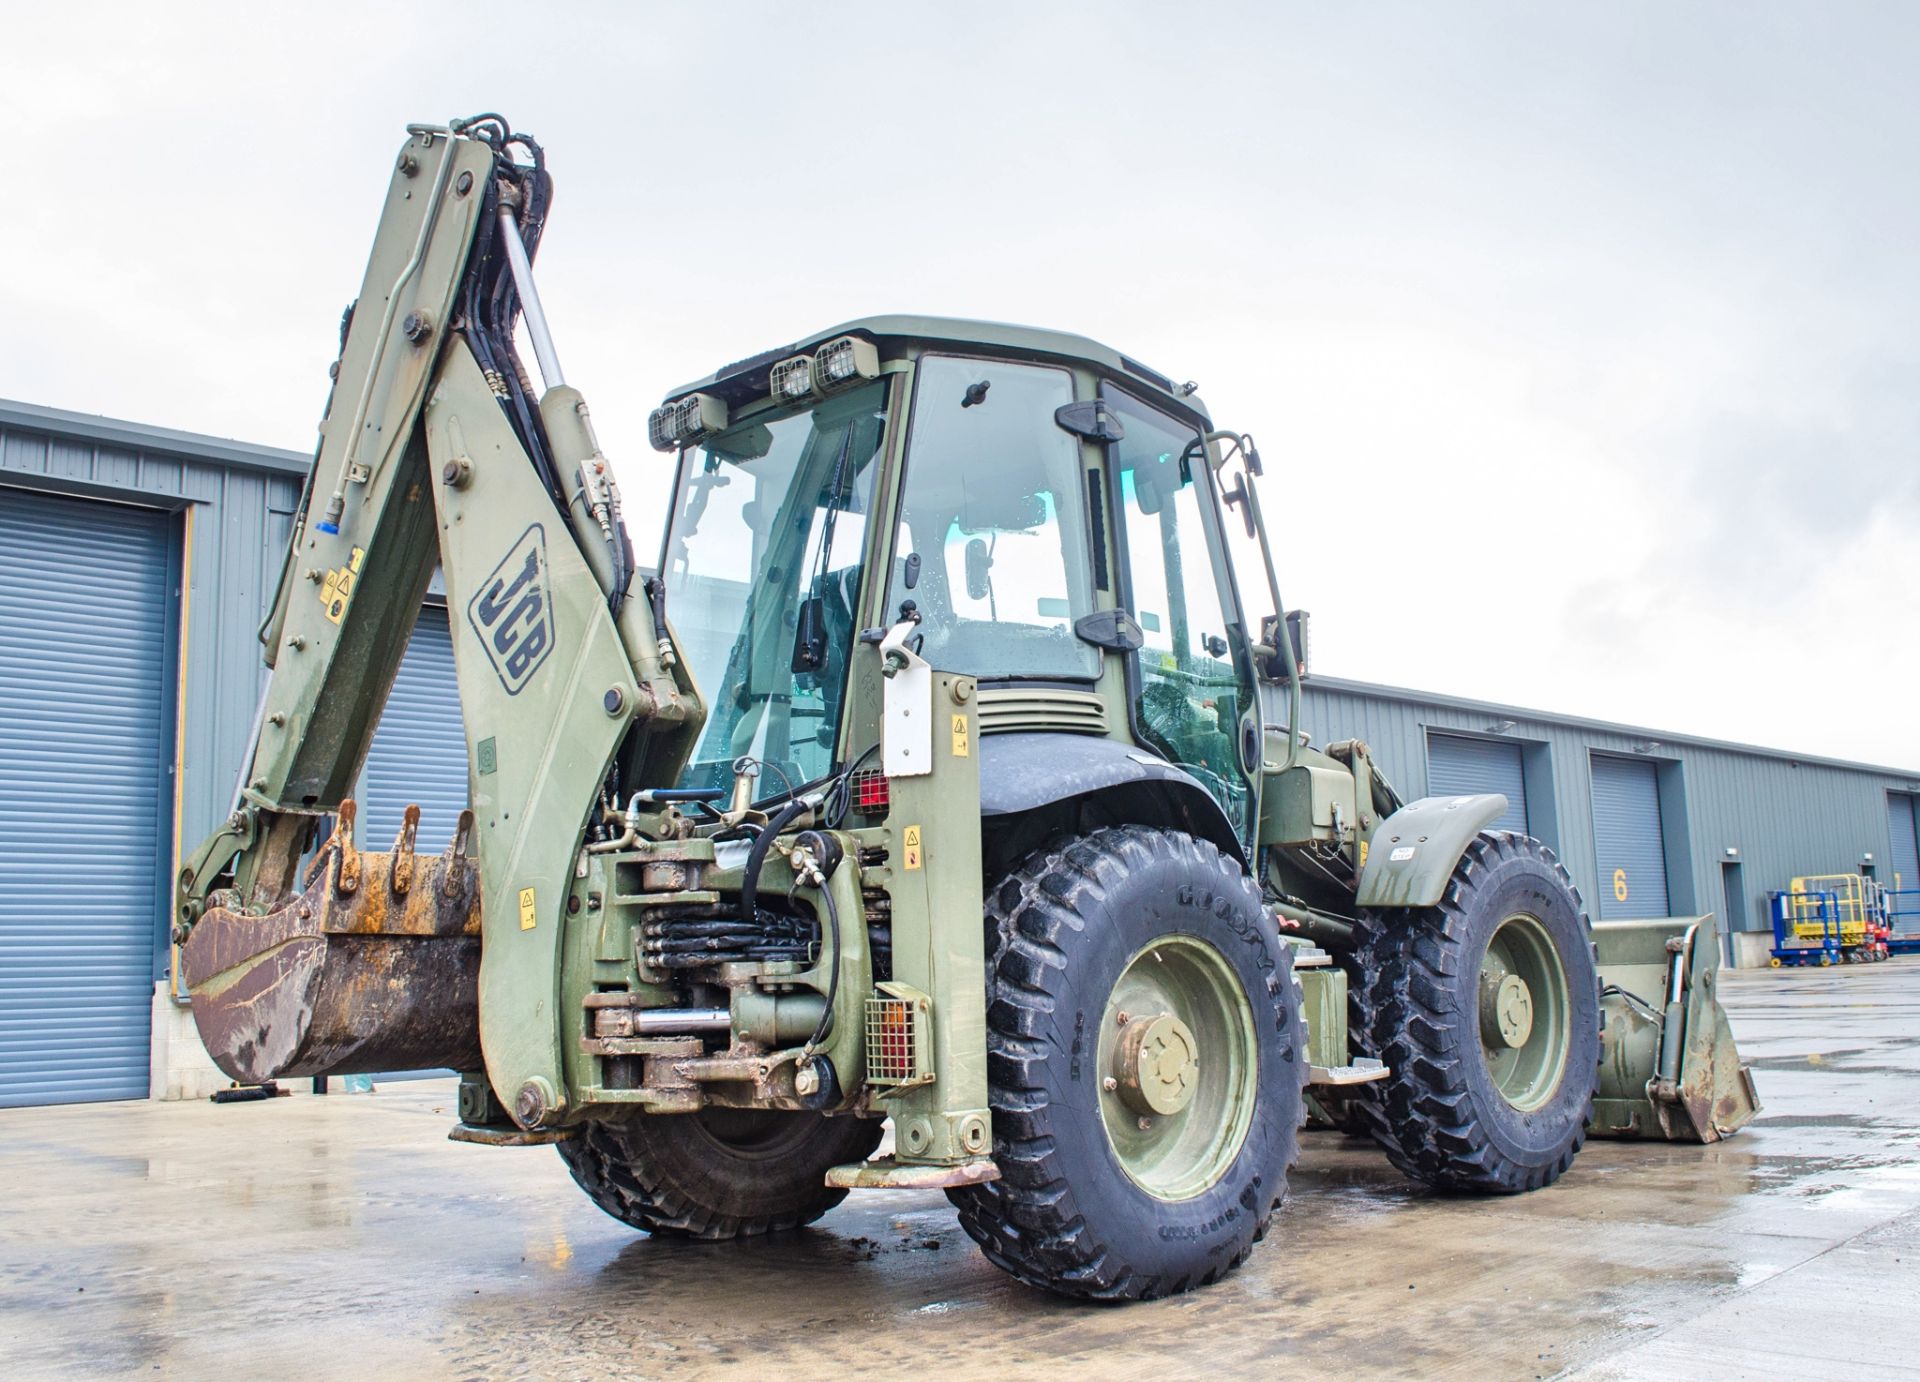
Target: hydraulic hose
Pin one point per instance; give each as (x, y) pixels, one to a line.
(827, 858)
(757, 858)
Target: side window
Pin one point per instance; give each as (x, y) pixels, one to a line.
(995, 509)
(1187, 697)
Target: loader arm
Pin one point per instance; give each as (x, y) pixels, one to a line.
(435, 450)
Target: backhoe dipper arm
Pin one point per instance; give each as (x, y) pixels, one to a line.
(434, 448)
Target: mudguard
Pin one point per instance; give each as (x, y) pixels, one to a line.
(1412, 853)
(1019, 772)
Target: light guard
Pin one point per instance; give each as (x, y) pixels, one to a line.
(673, 425)
(792, 380)
(845, 360)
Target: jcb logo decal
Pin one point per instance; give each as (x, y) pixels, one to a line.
(513, 614)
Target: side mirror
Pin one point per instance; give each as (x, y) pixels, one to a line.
(979, 563)
(1296, 632)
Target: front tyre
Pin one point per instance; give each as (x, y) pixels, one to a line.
(1486, 1009)
(1146, 1059)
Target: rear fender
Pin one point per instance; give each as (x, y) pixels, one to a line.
(1412, 853)
(1021, 774)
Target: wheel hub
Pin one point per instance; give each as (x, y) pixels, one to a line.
(1156, 1064)
(1174, 1120)
(1506, 1011)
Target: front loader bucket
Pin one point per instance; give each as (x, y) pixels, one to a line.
(374, 966)
(1668, 1066)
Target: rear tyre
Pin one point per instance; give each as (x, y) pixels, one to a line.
(1486, 1009)
(719, 1173)
(1146, 1058)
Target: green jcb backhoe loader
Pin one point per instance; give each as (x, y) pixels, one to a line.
(948, 771)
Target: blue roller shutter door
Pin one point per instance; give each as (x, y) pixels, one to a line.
(86, 613)
(1627, 839)
(1458, 766)
(419, 752)
(419, 755)
(1905, 874)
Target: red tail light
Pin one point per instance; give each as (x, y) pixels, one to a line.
(870, 791)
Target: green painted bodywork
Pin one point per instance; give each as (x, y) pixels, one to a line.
(1413, 851)
(1669, 1069)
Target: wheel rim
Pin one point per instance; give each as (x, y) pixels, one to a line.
(1179, 1067)
(1524, 1006)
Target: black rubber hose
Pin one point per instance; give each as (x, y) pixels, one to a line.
(826, 851)
(825, 1027)
(757, 858)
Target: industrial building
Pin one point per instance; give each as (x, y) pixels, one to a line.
(140, 562)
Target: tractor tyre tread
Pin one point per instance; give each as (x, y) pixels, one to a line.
(1025, 1223)
(1423, 1116)
(648, 1176)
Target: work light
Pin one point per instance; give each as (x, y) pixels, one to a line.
(842, 361)
(791, 380)
(672, 425)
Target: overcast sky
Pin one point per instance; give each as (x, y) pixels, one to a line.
(1580, 341)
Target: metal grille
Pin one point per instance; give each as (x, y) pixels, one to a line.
(890, 1040)
(871, 790)
(1010, 711)
(784, 376)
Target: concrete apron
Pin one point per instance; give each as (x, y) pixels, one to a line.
(331, 1237)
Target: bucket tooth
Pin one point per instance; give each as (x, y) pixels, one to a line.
(401, 877)
(348, 878)
(456, 853)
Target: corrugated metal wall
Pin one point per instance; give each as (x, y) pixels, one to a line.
(1785, 815)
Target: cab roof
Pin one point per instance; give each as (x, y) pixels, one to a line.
(747, 378)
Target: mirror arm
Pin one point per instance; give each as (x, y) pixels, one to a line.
(1217, 457)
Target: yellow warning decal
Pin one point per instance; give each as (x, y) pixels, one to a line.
(526, 909)
(910, 842)
(1363, 854)
(336, 589)
(959, 736)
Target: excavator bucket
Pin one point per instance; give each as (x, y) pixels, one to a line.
(374, 965)
(1668, 1065)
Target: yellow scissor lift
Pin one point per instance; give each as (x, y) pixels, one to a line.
(1828, 918)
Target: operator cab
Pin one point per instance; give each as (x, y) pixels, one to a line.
(1049, 512)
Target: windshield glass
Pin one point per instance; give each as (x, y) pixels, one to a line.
(762, 570)
(993, 542)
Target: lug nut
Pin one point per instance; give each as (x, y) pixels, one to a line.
(1109, 1084)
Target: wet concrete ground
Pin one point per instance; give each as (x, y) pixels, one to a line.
(344, 1237)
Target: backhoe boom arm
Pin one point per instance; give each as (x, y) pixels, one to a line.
(435, 451)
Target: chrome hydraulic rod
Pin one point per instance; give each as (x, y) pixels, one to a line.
(676, 1021)
(537, 332)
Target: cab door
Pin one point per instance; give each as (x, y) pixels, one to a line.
(1191, 683)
